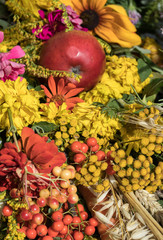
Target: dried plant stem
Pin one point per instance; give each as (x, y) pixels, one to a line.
(119, 214)
(156, 229)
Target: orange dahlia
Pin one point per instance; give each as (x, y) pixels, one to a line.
(62, 92)
(109, 22)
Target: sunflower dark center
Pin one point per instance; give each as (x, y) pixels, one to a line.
(90, 19)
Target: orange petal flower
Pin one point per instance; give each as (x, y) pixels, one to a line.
(43, 155)
(110, 22)
(62, 92)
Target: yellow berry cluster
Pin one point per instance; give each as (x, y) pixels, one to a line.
(137, 173)
(92, 173)
(148, 113)
(152, 143)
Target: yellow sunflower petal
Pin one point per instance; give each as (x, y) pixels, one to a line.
(118, 9)
(77, 6)
(122, 20)
(85, 4)
(109, 36)
(97, 5)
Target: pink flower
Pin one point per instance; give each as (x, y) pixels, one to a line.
(56, 23)
(8, 69)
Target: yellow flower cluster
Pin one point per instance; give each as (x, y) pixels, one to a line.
(92, 173)
(23, 103)
(142, 124)
(120, 73)
(155, 54)
(137, 173)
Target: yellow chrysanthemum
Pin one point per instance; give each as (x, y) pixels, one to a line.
(120, 73)
(23, 103)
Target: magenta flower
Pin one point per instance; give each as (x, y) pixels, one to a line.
(56, 23)
(8, 69)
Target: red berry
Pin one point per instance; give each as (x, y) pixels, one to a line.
(25, 215)
(75, 147)
(57, 216)
(93, 222)
(64, 230)
(67, 219)
(101, 155)
(80, 207)
(95, 148)
(41, 230)
(78, 235)
(41, 202)
(79, 157)
(91, 142)
(47, 238)
(7, 211)
(75, 221)
(84, 147)
(89, 230)
(34, 209)
(31, 233)
(38, 218)
(57, 226)
(84, 215)
(52, 233)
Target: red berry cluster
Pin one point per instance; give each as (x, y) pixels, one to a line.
(65, 223)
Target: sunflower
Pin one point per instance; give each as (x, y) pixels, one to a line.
(110, 22)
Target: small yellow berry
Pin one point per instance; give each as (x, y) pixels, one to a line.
(122, 173)
(92, 168)
(152, 177)
(142, 182)
(152, 138)
(123, 163)
(116, 168)
(147, 176)
(93, 158)
(159, 139)
(100, 187)
(146, 164)
(104, 166)
(158, 149)
(117, 159)
(136, 174)
(149, 189)
(158, 170)
(97, 173)
(106, 183)
(121, 153)
(143, 171)
(129, 188)
(83, 171)
(135, 186)
(145, 141)
(63, 128)
(150, 159)
(125, 181)
(77, 176)
(88, 177)
(129, 160)
(58, 134)
(137, 164)
(142, 158)
(98, 163)
(144, 150)
(151, 147)
(129, 172)
(95, 179)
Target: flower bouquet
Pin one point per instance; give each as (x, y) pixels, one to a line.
(81, 126)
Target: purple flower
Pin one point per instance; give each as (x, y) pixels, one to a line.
(56, 23)
(8, 69)
(134, 16)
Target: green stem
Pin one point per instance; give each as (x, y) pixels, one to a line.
(13, 128)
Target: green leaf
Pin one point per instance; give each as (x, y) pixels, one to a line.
(141, 50)
(153, 87)
(143, 69)
(129, 98)
(4, 24)
(44, 127)
(160, 202)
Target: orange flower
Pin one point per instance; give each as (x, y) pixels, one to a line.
(62, 93)
(109, 22)
(44, 155)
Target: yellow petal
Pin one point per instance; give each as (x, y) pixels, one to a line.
(118, 9)
(122, 20)
(96, 5)
(77, 6)
(67, 3)
(85, 4)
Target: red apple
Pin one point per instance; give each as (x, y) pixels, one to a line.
(75, 51)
